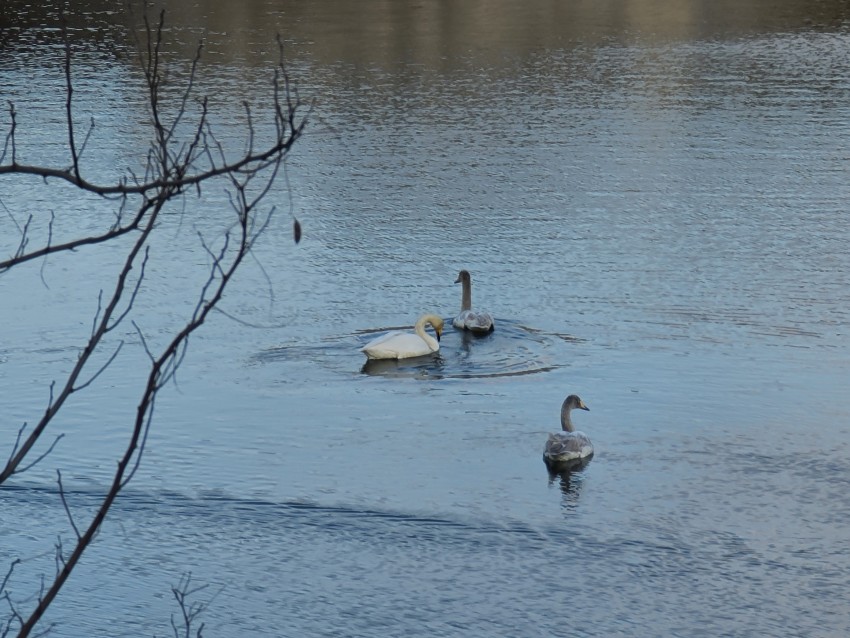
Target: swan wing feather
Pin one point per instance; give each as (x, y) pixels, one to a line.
(565, 446)
(396, 345)
(474, 321)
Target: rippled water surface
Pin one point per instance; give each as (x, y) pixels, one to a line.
(652, 204)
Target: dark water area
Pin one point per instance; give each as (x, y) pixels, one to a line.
(652, 200)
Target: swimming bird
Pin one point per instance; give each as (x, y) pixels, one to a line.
(403, 345)
(568, 446)
(469, 319)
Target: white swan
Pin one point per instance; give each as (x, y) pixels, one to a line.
(568, 446)
(403, 345)
(469, 319)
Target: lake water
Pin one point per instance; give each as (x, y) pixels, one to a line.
(652, 201)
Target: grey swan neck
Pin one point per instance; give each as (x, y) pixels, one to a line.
(566, 422)
(466, 300)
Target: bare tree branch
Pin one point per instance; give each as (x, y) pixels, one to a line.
(173, 168)
(86, 353)
(189, 610)
(134, 294)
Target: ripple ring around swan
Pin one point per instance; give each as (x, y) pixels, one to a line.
(511, 350)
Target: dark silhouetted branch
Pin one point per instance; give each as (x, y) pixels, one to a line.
(173, 168)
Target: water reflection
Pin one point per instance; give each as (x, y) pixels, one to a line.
(573, 465)
(568, 477)
(468, 338)
(427, 367)
(438, 35)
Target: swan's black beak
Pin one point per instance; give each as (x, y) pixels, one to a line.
(457, 281)
(583, 406)
(438, 335)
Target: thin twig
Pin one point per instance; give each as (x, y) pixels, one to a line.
(190, 85)
(8, 575)
(59, 553)
(41, 457)
(142, 442)
(69, 94)
(18, 440)
(144, 341)
(21, 256)
(100, 371)
(135, 292)
(9, 213)
(10, 136)
(22, 244)
(65, 504)
(49, 242)
(97, 312)
(87, 137)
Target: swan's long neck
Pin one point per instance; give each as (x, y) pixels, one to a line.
(433, 344)
(466, 300)
(566, 422)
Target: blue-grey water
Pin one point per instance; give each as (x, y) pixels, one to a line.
(652, 201)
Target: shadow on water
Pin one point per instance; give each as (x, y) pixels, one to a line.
(253, 515)
(511, 350)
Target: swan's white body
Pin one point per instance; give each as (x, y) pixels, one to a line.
(404, 345)
(469, 319)
(568, 446)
